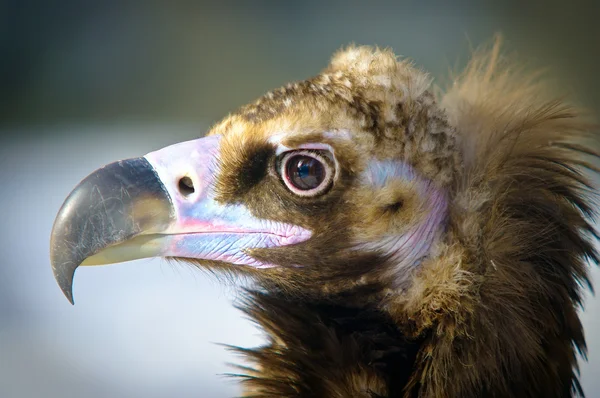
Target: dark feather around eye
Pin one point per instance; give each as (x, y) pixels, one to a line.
(255, 168)
(246, 167)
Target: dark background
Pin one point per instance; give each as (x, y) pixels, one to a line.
(84, 83)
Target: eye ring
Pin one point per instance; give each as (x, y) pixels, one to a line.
(306, 173)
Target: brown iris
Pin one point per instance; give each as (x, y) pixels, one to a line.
(305, 172)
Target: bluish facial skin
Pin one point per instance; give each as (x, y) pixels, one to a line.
(204, 228)
(410, 247)
(379, 172)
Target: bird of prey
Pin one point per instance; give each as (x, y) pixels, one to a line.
(403, 240)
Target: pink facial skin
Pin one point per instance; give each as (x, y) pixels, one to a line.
(204, 228)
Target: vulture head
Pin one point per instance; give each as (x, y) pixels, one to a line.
(402, 243)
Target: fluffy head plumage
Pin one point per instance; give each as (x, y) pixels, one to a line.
(387, 104)
(493, 304)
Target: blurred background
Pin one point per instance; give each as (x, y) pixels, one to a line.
(85, 83)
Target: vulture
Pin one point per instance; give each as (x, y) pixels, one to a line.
(403, 239)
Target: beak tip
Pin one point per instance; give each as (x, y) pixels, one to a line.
(65, 282)
(69, 295)
(70, 298)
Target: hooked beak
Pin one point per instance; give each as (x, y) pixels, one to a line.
(162, 204)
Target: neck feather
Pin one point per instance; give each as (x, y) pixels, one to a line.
(325, 349)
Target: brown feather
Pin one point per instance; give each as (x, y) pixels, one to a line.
(492, 309)
(519, 224)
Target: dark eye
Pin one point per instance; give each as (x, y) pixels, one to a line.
(306, 173)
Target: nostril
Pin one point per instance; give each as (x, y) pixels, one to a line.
(186, 186)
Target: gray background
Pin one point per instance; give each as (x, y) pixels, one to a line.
(85, 83)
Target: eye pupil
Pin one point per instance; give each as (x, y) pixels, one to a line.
(305, 172)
